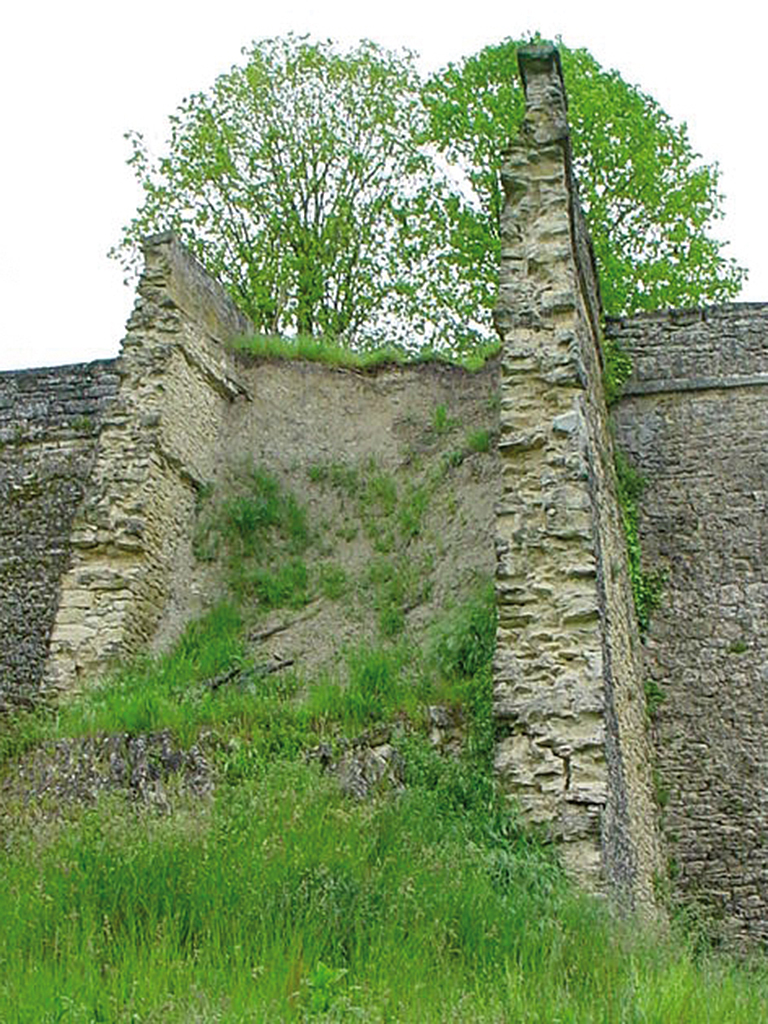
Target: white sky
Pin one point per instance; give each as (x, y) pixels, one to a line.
(76, 74)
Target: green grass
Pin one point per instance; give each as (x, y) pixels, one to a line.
(390, 513)
(252, 515)
(382, 683)
(285, 586)
(165, 692)
(333, 353)
(260, 531)
(479, 441)
(281, 899)
(397, 584)
(441, 422)
(333, 580)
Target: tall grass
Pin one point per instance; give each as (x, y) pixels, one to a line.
(261, 532)
(283, 895)
(281, 899)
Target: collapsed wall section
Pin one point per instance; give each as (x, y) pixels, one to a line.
(157, 445)
(568, 691)
(694, 422)
(328, 434)
(50, 421)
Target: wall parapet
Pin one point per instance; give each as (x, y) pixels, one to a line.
(41, 402)
(722, 346)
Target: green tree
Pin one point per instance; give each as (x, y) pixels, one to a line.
(338, 194)
(300, 180)
(650, 203)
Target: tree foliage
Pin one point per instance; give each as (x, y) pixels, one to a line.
(650, 203)
(338, 194)
(300, 180)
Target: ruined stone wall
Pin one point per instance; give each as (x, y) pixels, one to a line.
(50, 421)
(568, 683)
(694, 421)
(103, 466)
(158, 443)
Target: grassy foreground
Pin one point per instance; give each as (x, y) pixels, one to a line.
(278, 897)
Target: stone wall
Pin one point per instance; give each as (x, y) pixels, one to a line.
(158, 444)
(50, 421)
(568, 683)
(694, 421)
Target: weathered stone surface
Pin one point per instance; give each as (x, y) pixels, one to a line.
(568, 677)
(50, 420)
(695, 423)
(363, 767)
(80, 770)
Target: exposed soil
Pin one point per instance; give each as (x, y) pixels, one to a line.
(326, 434)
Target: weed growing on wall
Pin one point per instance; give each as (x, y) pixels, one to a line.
(647, 587)
(479, 440)
(442, 423)
(463, 642)
(390, 513)
(334, 581)
(462, 645)
(261, 532)
(617, 369)
(397, 585)
(654, 697)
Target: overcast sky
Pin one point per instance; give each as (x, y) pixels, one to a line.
(76, 75)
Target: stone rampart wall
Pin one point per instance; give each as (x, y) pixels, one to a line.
(693, 349)
(568, 683)
(50, 420)
(694, 421)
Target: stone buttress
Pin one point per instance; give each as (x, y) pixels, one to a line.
(568, 698)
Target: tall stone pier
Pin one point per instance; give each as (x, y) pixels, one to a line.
(568, 696)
